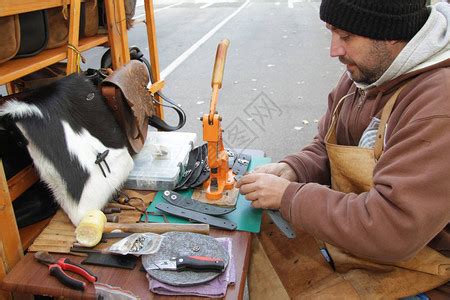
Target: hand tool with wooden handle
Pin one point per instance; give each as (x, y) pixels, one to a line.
(221, 177)
(157, 227)
(89, 231)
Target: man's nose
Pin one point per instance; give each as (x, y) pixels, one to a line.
(336, 48)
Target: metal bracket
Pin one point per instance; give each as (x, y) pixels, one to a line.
(196, 216)
(191, 204)
(241, 165)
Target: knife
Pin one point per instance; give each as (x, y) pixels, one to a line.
(189, 263)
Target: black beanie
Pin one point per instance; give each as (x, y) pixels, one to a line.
(376, 19)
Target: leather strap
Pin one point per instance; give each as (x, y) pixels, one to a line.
(196, 216)
(160, 124)
(112, 97)
(196, 170)
(191, 204)
(281, 223)
(387, 110)
(190, 167)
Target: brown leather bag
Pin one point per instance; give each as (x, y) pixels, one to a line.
(58, 23)
(41, 77)
(58, 27)
(89, 18)
(9, 37)
(126, 94)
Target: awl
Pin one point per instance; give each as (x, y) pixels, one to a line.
(189, 263)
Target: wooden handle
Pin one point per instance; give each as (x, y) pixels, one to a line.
(219, 64)
(157, 227)
(216, 82)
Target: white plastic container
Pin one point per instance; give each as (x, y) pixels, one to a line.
(161, 161)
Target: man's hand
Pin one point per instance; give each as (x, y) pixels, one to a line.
(282, 170)
(264, 190)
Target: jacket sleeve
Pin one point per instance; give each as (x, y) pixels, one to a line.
(408, 204)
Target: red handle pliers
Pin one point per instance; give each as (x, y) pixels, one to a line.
(57, 268)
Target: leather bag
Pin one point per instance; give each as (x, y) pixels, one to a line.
(10, 37)
(41, 77)
(33, 33)
(89, 18)
(58, 27)
(126, 94)
(58, 23)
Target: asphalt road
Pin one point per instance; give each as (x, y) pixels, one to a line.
(277, 76)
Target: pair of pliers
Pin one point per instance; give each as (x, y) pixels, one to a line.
(57, 268)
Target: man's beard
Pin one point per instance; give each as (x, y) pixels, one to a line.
(363, 74)
(379, 58)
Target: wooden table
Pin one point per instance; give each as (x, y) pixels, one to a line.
(31, 277)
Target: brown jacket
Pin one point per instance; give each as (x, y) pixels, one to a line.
(409, 205)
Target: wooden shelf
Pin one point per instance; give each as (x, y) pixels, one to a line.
(8, 7)
(29, 233)
(22, 181)
(16, 68)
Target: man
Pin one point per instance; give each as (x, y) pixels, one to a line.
(374, 183)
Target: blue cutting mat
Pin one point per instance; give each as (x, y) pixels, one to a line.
(245, 216)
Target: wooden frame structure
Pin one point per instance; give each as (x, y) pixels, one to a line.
(13, 241)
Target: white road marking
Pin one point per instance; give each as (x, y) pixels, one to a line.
(206, 5)
(290, 4)
(169, 69)
(142, 16)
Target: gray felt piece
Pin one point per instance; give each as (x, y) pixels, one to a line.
(177, 244)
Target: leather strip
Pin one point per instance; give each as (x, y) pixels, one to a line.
(281, 223)
(205, 171)
(196, 171)
(190, 167)
(196, 216)
(387, 109)
(191, 204)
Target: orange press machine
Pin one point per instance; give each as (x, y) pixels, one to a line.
(221, 176)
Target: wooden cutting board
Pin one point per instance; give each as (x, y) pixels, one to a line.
(59, 235)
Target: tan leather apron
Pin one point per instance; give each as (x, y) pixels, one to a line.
(352, 171)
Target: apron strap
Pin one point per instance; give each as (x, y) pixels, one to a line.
(331, 134)
(387, 110)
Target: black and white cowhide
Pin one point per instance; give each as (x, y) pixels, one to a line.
(68, 125)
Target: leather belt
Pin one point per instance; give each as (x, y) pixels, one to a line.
(281, 223)
(196, 216)
(191, 204)
(197, 169)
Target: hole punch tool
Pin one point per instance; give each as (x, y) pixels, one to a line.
(221, 177)
(57, 268)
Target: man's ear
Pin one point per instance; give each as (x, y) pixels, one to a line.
(396, 46)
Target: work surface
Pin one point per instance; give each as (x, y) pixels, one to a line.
(31, 277)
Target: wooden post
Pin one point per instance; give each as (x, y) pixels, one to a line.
(74, 31)
(10, 246)
(117, 32)
(152, 48)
